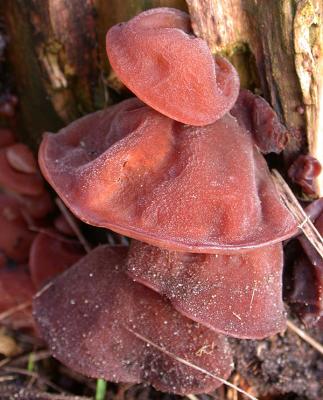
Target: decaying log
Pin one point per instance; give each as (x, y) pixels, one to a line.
(57, 56)
(277, 47)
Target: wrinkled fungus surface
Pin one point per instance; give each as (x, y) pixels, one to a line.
(91, 317)
(49, 256)
(137, 172)
(256, 115)
(16, 288)
(303, 171)
(15, 236)
(21, 158)
(158, 58)
(30, 184)
(239, 295)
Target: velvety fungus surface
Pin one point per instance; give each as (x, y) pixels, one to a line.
(157, 57)
(238, 295)
(50, 256)
(139, 173)
(102, 324)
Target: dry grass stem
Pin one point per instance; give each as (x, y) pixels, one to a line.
(70, 219)
(304, 223)
(305, 336)
(13, 310)
(189, 364)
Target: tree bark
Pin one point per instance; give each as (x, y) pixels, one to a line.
(277, 46)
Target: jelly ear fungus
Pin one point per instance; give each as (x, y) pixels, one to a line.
(182, 173)
(100, 323)
(158, 58)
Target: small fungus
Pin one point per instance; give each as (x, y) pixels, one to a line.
(303, 172)
(6, 137)
(157, 56)
(49, 256)
(16, 289)
(255, 114)
(15, 236)
(16, 181)
(102, 324)
(21, 158)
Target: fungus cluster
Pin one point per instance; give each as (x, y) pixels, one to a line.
(179, 172)
(34, 246)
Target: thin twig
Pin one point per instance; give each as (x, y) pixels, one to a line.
(73, 225)
(303, 335)
(304, 222)
(13, 310)
(21, 371)
(188, 363)
(192, 397)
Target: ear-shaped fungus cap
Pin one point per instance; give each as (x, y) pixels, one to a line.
(137, 172)
(21, 158)
(16, 181)
(239, 295)
(99, 322)
(303, 171)
(16, 288)
(158, 58)
(256, 115)
(50, 256)
(6, 137)
(15, 236)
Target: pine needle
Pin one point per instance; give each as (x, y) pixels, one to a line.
(304, 223)
(303, 335)
(73, 225)
(13, 310)
(189, 364)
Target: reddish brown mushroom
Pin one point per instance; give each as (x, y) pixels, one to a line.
(303, 172)
(156, 55)
(255, 114)
(22, 183)
(102, 324)
(36, 207)
(21, 158)
(16, 289)
(50, 256)
(239, 295)
(6, 137)
(15, 236)
(137, 172)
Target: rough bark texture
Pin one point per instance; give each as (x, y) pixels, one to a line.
(277, 47)
(56, 53)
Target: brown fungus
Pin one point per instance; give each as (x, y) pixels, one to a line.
(16, 181)
(15, 236)
(156, 55)
(255, 114)
(102, 324)
(16, 289)
(21, 158)
(141, 174)
(50, 256)
(238, 295)
(303, 172)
